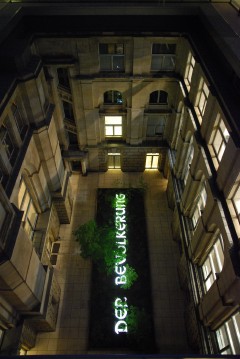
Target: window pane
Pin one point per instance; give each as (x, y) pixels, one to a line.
(118, 63)
(148, 161)
(168, 63)
(157, 61)
(117, 130)
(105, 62)
(155, 161)
(222, 338)
(113, 120)
(109, 130)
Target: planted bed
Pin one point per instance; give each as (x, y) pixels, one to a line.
(121, 303)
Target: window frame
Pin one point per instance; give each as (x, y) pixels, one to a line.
(199, 205)
(202, 99)
(161, 56)
(216, 150)
(115, 158)
(189, 70)
(114, 127)
(112, 53)
(212, 275)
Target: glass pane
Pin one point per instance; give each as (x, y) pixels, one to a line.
(217, 141)
(2, 215)
(113, 120)
(109, 130)
(206, 268)
(157, 61)
(110, 161)
(148, 163)
(155, 162)
(105, 62)
(118, 63)
(117, 162)
(222, 338)
(168, 63)
(117, 130)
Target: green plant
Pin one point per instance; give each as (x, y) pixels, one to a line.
(131, 276)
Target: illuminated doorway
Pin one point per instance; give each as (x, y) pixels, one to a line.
(152, 160)
(114, 160)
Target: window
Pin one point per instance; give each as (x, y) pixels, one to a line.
(26, 205)
(155, 126)
(188, 161)
(114, 160)
(158, 98)
(218, 141)
(68, 111)
(63, 79)
(202, 97)
(113, 98)
(200, 205)
(151, 160)
(228, 336)
(7, 143)
(236, 200)
(163, 57)
(113, 126)
(111, 57)
(189, 70)
(213, 264)
(19, 120)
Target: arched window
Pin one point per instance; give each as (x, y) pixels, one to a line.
(158, 98)
(113, 98)
(213, 264)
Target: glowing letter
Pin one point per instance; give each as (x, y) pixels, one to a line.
(120, 327)
(120, 270)
(121, 280)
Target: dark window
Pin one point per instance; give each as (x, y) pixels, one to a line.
(21, 126)
(68, 111)
(158, 97)
(163, 48)
(63, 79)
(111, 57)
(113, 97)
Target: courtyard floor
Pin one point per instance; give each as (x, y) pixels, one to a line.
(74, 273)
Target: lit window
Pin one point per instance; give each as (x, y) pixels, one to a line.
(163, 57)
(189, 70)
(202, 97)
(113, 98)
(213, 264)
(200, 205)
(113, 126)
(114, 160)
(152, 160)
(218, 141)
(111, 57)
(26, 205)
(158, 98)
(228, 336)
